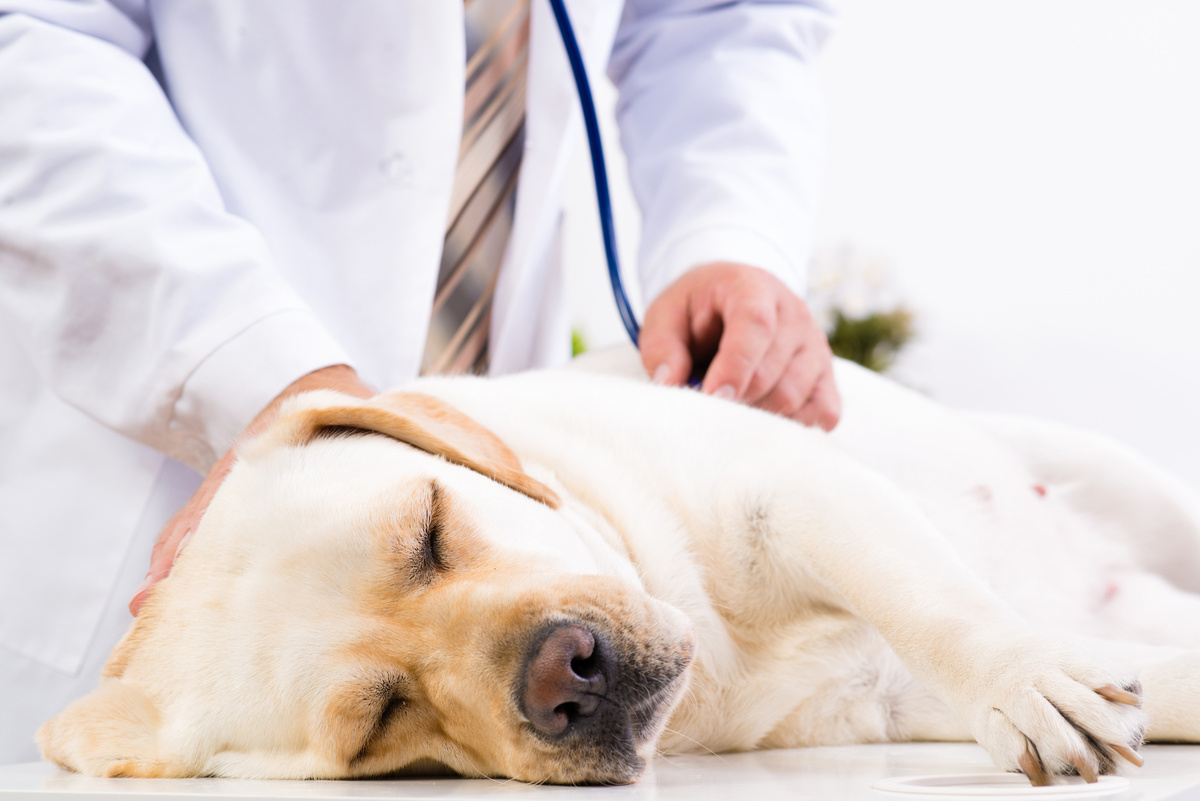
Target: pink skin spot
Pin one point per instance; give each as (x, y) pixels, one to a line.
(1040, 490)
(982, 493)
(1111, 591)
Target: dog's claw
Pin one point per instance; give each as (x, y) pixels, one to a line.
(1118, 695)
(1085, 770)
(1032, 768)
(1131, 756)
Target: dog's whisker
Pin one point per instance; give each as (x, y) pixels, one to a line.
(694, 740)
(663, 755)
(481, 775)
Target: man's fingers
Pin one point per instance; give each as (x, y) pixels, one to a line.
(140, 597)
(168, 545)
(794, 387)
(172, 539)
(664, 341)
(174, 536)
(780, 385)
(172, 543)
(750, 329)
(824, 405)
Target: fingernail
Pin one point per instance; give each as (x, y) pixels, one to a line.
(187, 535)
(660, 374)
(725, 392)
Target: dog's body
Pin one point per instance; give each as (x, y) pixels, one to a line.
(353, 605)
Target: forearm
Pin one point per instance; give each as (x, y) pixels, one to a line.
(132, 289)
(721, 121)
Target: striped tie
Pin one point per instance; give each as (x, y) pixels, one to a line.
(482, 200)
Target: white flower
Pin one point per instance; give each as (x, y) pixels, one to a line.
(846, 280)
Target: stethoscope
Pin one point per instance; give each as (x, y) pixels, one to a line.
(599, 171)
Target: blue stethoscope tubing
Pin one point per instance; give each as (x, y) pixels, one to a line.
(599, 171)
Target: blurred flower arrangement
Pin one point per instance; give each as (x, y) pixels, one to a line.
(578, 342)
(852, 296)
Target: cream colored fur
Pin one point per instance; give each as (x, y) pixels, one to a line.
(918, 575)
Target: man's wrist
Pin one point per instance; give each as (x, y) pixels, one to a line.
(339, 377)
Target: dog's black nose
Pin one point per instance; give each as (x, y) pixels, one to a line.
(565, 680)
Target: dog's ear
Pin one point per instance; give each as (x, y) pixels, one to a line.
(112, 732)
(419, 420)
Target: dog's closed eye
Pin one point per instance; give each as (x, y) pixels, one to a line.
(379, 704)
(364, 709)
(430, 554)
(424, 535)
(390, 711)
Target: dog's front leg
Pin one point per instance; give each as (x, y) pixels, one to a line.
(1036, 704)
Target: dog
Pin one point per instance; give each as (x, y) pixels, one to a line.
(554, 576)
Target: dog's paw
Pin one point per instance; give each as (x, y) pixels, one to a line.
(1044, 711)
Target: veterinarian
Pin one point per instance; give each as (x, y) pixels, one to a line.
(207, 207)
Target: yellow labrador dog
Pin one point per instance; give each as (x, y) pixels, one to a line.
(552, 576)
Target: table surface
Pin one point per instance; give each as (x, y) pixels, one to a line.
(842, 773)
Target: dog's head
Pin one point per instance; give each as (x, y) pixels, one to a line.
(380, 587)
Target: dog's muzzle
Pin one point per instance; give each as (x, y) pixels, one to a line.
(597, 699)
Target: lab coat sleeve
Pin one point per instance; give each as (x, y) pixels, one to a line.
(138, 297)
(720, 116)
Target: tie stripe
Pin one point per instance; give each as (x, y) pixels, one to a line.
(482, 199)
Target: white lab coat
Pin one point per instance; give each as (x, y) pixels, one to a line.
(173, 252)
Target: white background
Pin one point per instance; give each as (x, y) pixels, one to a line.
(1029, 171)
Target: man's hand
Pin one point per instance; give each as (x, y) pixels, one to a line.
(177, 531)
(760, 342)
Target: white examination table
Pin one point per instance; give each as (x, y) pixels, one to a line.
(829, 774)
